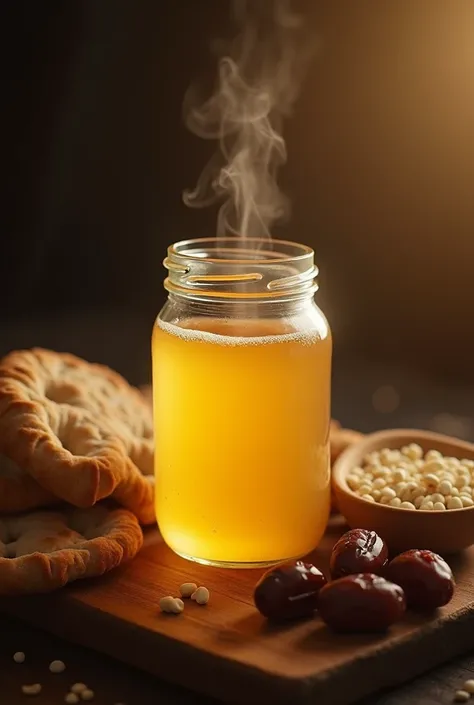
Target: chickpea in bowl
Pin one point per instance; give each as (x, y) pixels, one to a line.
(411, 487)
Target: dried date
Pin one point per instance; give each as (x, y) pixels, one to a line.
(425, 577)
(361, 603)
(289, 591)
(358, 551)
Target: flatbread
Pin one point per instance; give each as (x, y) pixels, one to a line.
(78, 429)
(42, 551)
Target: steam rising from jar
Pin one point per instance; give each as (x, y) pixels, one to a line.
(259, 76)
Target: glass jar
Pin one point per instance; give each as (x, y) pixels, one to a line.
(241, 387)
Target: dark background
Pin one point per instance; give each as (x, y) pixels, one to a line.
(380, 174)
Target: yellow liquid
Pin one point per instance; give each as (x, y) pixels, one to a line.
(242, 415)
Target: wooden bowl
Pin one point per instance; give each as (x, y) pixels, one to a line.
(444, 532)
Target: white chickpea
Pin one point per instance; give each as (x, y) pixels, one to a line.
(57, 666)
(87, 694)
(413, 451)
(78, 688)
(454, 503)
(353, 481)
(376, 495)
(201, 596)
(358, 471)
(407, 505)
(439, 506)
(388, 492)
(367, 497)
(437, 497)
(455, 462)
(431, 481)
(427, 506)
(372, 458)
(395, 502)
(399, 475)
(378, 483)
(364, 489)
(462, 469)
(469, 686)
(447, 476)
(33, 689)
(433, 466)
(466, 501)
(433, 455)
(171, 605)
(445, 487)
(404, 463)
(187, 589)
(418, 501)
(389, 457)
(405, 495)
(380, 471)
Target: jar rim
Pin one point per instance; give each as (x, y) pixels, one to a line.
(183, 249)
(240, 268)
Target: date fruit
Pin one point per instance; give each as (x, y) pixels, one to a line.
(425, 577)
(358, 551)
(289, 591)
(361, 603)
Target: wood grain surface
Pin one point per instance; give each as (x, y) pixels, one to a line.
(226, 649)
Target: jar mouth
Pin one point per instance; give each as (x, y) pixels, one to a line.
(239, 251)
(234, 267)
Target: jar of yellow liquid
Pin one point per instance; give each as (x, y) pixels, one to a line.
(241, 387)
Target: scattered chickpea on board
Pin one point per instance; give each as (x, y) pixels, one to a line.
(187, 589)
(77, 692)
(33, 689)
(171, 605)
(175, 605)
(57, 666)
(201, 596)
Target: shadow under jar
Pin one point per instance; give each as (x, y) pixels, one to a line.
(241, 387)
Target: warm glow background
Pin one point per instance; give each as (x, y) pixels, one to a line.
(380, 170)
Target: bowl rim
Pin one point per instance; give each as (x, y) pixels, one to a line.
(339, 472)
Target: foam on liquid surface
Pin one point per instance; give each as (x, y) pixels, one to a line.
(238, 332)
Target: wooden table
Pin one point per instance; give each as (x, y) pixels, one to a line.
(115, 683)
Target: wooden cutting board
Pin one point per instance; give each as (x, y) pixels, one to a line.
(227, 650)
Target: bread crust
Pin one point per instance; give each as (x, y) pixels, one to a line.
(43, 551)
(78, 429)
